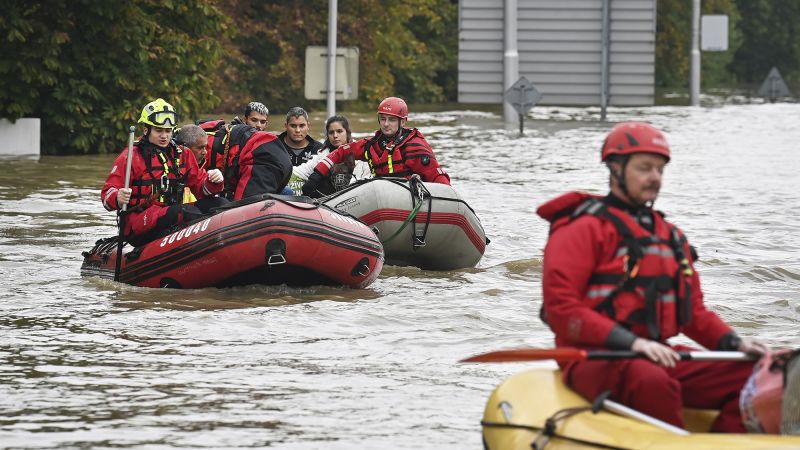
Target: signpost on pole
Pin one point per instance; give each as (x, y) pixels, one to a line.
(522, 96)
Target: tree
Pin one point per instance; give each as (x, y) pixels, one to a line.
(408, 50)
(770, 38)
(87, 67)
(673, 44)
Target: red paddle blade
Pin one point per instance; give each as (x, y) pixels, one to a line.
(529, 354)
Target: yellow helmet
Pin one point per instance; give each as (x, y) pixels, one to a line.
(159, 113)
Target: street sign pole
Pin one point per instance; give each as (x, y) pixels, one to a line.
(332, 18)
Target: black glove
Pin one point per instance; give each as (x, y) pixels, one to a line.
(310, 186)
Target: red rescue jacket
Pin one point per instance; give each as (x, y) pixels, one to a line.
(217, 132)
(158, 178)
(255, 163)
(412, 155)
(602, 268)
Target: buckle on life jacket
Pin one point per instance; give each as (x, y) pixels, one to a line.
(630, 272)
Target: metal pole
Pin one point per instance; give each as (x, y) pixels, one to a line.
(605, 60)
(124, 209)
(510, 56)
(632, 413)
(332, 57)
(694, 63)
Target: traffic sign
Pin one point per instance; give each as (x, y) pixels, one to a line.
(773, 86)
(714, 33)
(522, 95)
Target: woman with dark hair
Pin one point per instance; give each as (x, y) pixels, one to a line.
(337, 133)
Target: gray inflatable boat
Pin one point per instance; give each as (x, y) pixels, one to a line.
(426, 225)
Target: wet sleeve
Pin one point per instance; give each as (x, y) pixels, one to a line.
(570, 257)
(420, 159)
(114, 182)
(340, 154)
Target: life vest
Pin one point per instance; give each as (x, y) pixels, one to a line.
(646, 285)
(391, 160)
(217, 133)
(762, 397)
(163, 180)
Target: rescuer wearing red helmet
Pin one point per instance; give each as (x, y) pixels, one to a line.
(394, 151)
(616, 275)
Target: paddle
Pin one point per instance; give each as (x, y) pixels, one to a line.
(120, 237)
(576, 354)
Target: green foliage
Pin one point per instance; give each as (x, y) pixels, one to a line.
(673, 44)
(770, 29)
(87, 67)
(408, 50)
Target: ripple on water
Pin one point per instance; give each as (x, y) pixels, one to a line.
(88, 363)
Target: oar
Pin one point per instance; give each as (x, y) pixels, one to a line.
(577, 354)
(120, 238)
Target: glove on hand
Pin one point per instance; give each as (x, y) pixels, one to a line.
(215, 176)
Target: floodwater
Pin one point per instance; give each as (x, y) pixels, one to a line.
(89, 364)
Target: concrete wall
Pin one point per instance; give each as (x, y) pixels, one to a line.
(21, 139)
(559, 50)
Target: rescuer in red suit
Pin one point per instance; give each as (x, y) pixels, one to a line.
(394, 151)
(617, 276)
(160, 171)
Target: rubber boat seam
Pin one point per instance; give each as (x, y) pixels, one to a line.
(143, 274)
(437, 218)
(402, 182)
(189, 252)
(214, 235)
(244, 235)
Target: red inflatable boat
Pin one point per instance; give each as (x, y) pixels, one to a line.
(268, 239)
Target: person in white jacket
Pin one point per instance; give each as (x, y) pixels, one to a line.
(337, 133)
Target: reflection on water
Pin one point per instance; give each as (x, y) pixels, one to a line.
(88, 363)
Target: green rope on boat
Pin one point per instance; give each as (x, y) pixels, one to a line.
(411, 216)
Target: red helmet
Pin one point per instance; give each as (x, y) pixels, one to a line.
(394, 106)
(628, 138)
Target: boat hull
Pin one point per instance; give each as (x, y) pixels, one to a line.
(426, 225)
(518, 408)
(264, 240)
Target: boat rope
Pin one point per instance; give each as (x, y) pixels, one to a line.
(539, 444)
(415, 183)
(411, 216)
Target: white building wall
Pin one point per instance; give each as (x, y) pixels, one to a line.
(21, 139)
(559, 45)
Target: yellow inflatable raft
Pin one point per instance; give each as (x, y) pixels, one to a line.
(517, 412)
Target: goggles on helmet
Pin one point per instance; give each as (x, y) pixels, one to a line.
(164, 119)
